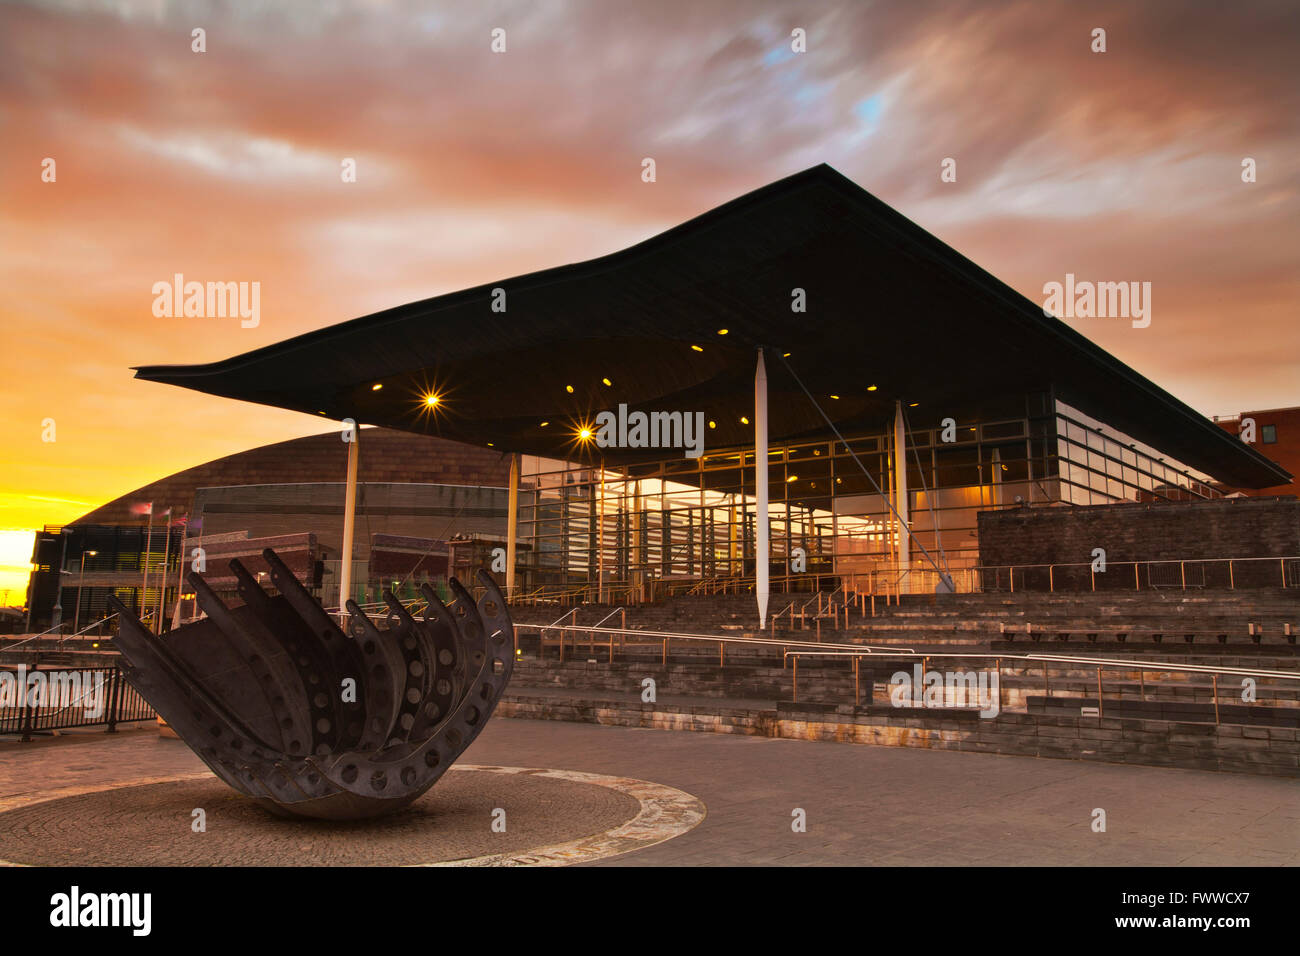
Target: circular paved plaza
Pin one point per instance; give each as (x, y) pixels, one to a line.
(474, 815)
(862, 805)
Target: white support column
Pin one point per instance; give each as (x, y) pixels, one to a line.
(762, 545)
(900, 484)
(512, 526)
(349, 526)
(600, 538)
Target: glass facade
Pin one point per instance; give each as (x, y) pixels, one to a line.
(1101, 465)
(666, 526)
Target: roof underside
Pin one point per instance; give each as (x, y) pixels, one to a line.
(888, 304)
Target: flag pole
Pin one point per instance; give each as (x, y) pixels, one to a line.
(180, 570)
(144, 582)
(162, 572)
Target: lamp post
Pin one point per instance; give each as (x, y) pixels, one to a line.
(57, 614)
(76, 618)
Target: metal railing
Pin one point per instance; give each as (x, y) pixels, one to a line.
(890, 581)
(29, 707)
(567, 641)
(792, 651)
(51, 641)
(1126, 575)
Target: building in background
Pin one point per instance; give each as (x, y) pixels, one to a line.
(414, 494)
(1277, 437)
(904, 390)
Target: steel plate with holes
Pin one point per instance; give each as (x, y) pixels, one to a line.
(288, 709)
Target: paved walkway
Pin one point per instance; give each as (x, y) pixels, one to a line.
(864, 805)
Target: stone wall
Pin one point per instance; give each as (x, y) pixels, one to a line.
(1272, 751)
(1192, 531)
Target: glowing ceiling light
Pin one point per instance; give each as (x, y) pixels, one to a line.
(697, 348)
(377, 386)
(792, 478)
(744, 420)
(913, 405)
(544, 424)
(871, 388)
(431, 400)
(607, 381)
(569, 389)
(836, 397)
(713, 424)
(722, 331)
(584, 434)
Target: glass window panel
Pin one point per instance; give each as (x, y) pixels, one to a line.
(1004, 430)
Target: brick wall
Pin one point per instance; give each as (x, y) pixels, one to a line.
(1156, 531)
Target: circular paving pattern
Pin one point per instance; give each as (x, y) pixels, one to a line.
(551, 817)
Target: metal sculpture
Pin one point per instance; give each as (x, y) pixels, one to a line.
(312, 722)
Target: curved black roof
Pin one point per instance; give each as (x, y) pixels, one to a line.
(888, 304)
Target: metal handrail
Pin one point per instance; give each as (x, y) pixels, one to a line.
(1067, 659)
(607, 616)
(89, 626)
(788, 610)
(675, 635)
(572, 610)
(809, 648)
(59, 627)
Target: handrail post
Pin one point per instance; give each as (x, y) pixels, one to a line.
(1182, 573)
(1137, 582)
(1232, 584)
(1099, 704)
(856, 693)
(1216, 698)
(114, 699)
(25, 719)
(1051, 579)
(794, 693)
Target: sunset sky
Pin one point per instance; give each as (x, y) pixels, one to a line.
(473, 166)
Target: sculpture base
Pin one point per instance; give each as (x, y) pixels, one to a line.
(549, 817)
